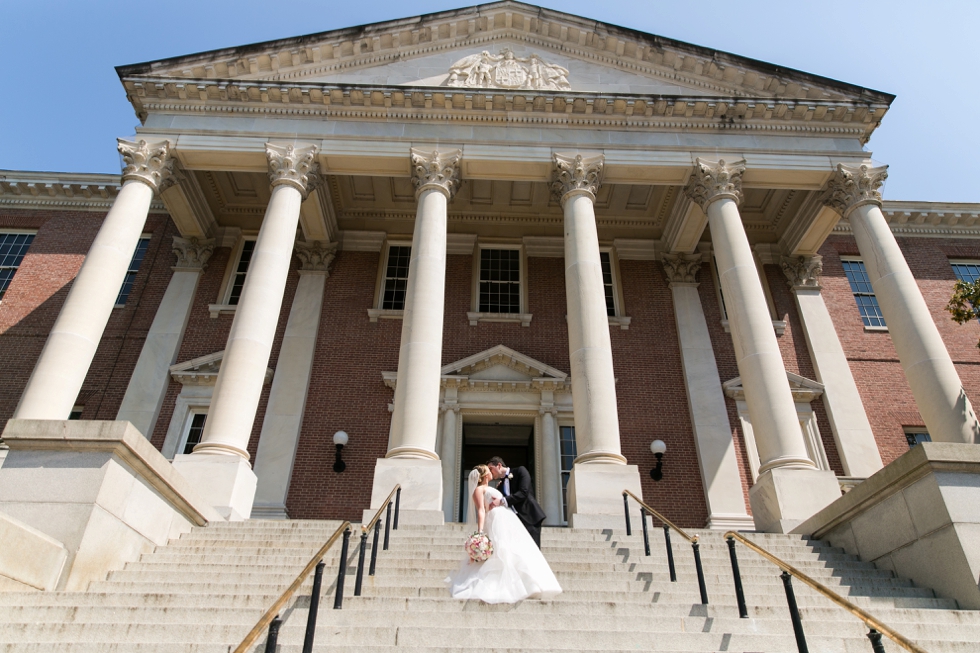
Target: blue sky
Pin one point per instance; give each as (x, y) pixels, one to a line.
(923, 52)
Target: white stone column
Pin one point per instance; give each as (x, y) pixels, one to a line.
(151, 376)
(705, 399)
(936, 386)
(283, 421)
(789, 487)
(550, 465)
(219, 465)
(411, 459)
(852, 431)
(60, 371)
(449, 462)
(600, 473)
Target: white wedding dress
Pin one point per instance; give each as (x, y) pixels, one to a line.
(517, 570)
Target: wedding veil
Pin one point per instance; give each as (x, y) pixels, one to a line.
(471, 483)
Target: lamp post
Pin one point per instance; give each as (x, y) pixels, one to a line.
(658, 447)
(340, 439)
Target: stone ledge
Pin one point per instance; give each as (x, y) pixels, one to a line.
(524, 319)
(118, 438)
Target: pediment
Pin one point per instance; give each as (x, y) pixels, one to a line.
(422, 51)
(502, 363)
(804, 390)
(203, 370)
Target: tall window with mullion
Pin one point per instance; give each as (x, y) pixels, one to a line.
(396, 277)
(568, 452)
(238, 281)
(500, 281)
(607, 283)
(864, 294)
(134, 267)
(967, 272)
(13, 247)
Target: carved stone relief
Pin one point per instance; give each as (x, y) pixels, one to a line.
(506, 70)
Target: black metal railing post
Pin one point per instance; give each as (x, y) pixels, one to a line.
(794, 613)
(273, 638)
(359, 579)
(876, 644)
(387, 525)
(670, 555)
(626, 507)
(374, 547)
(338, 599)
(646, 535)
(743, 611)
(697, 565)
(398, 503)
(314, 608)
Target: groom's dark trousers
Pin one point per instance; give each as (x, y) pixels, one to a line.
(522, 499)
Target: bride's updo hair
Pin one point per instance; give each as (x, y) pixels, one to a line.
(482, 470)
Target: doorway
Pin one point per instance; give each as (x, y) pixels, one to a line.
(512, 442)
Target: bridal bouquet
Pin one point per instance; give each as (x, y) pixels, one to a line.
(478, 547)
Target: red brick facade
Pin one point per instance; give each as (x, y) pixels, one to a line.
(347, 392)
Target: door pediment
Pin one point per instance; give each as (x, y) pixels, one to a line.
(498, 368)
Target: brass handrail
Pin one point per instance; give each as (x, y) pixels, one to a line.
(384, 505)
(869, 620)
(273, 612)
(690, 538)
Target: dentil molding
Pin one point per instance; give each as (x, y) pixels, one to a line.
(149, 163)
(436, 170)
(577, 173)
(192, 253)
(714, 181)
(316, 256)
(293, 165)
(803, 272)
(853, 186)
(682, 268)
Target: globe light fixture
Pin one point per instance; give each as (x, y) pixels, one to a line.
(658, 447)
(340, 439)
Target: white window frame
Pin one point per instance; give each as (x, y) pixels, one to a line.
(619, 317)
(147, 238)
(18, 232)
(224, 305)
(962, 261)
(779, 326)
(910, 430)
(474, 315)
(376, 313)
(564, 423)
(859, 259)
(191, 401)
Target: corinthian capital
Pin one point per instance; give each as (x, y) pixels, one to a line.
(293, 165)
(803, 272)
(149, 163)
(682, 268)
(714, 181)
(577, 173)
(853, 186)
(191, 253)
(316, 256)
(436, 171)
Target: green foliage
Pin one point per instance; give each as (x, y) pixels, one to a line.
(964, 305)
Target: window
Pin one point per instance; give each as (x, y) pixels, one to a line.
(134, 267)
(194, 431)
(568, 452)
(864, 294)
(968, 271)
(396, 278)
(12, 250)
(607, 283)
(917, 436)
(76, 412)
(500, 281)
(241, 269)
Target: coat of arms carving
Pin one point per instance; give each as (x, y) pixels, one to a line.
(506, 70)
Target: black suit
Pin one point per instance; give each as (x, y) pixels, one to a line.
(521, 498)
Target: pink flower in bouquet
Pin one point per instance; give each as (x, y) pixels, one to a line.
(478, 547)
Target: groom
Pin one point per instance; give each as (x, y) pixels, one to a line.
(515, 484)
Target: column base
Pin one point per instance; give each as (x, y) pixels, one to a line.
(227, 482)
(723, 522)
(781, 499)
(421, 482)
(595, 495)
(269, 512)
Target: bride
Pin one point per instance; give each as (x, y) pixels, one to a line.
(516, 570)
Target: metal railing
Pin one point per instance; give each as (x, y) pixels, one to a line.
(875, 626)
(271, 620)
(667, 525)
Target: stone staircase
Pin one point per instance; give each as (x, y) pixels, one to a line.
(204, 592)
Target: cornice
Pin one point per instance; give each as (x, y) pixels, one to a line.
(587, 110)
(67, 191)
(931, 219)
